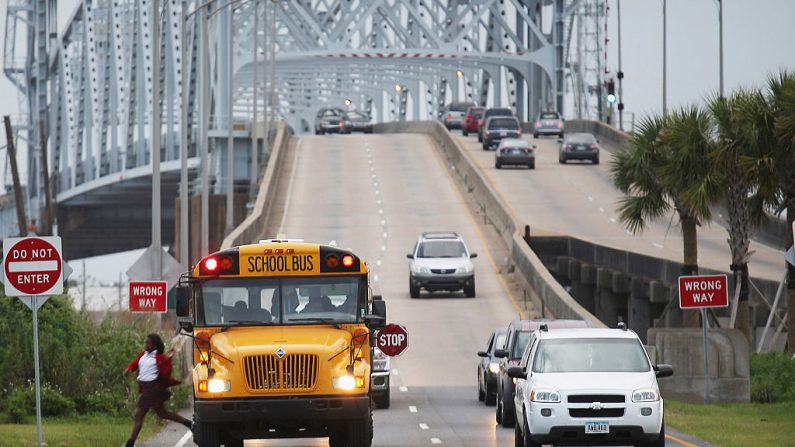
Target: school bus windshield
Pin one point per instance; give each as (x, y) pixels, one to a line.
(281, 301)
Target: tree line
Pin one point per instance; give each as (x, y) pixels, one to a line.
(737, 152)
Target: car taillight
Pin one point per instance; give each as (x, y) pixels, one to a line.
(538, 123)
(449, 116)
(567, 147)
(593, 146)
(560, 124)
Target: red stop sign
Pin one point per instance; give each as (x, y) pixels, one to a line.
(32, 267)
(392, 339)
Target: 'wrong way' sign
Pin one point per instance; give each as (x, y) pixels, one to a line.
(696, 292)
(148, 296)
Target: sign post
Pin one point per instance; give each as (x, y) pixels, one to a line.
(701, 292)
(33, 270)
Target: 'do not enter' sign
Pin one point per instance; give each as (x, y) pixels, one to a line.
(33, 266)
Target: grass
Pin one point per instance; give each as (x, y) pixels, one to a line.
(80, 431)
(735, 425)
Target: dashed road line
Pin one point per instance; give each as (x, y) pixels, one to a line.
(403, 389)
(436, 441)
(412, 409)
(423, 426)
(657, 245)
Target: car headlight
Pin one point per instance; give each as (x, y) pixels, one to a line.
(494, 367)
(541, 395)
(645, 395)
(218, 385)
(347, 382)
(465, 268)
(420, 270)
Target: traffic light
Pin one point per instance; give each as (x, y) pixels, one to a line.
(611, 91)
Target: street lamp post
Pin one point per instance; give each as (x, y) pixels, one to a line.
(665, 71)
(230, 141)
(620, 73)
(720, 26)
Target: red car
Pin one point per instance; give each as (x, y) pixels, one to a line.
(471, 119)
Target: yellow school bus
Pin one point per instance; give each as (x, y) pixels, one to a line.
(281, 343)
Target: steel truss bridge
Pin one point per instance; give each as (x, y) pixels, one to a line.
(228, 68)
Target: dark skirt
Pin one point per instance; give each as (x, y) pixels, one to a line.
(153, 394)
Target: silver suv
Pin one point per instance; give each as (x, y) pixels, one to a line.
(441, 261)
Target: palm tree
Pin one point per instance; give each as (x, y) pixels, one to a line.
(782, 108)
(667, 167)
(740, 162)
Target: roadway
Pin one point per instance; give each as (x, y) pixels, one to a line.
(375, 194)
(579, 199)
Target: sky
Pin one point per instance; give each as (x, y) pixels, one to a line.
(758, 39)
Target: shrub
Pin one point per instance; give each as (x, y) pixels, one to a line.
(22, 402)
(772, 377)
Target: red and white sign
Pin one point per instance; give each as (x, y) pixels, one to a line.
(32, 266)
(696, 292)
(392, 339)
(148, 296)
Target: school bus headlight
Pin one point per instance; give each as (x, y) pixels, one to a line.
(347, 382)
(218, 385)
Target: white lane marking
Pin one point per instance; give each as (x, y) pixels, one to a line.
(423, 426)
(403, 389)
(590, 199)
(613, 219)
(184, 439)
(385, 235)
(373, 175)
(436, 441)
(412, 409)
(381, 212)
(383, 222)
(601, 209)
(290, 187)
(375, 278)
(378, 262)
(383, 248)
(394, 371)
(657, 245)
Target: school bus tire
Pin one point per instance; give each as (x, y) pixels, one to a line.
(231, 441)
(209, 435)
(360, 432)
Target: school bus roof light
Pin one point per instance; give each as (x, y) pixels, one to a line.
(211, 264)
(347, 261)
(226, 263)
(332, 261)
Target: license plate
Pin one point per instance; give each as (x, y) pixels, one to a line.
(594, 427)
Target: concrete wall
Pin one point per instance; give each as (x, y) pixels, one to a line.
(249, 231)
(729, 368)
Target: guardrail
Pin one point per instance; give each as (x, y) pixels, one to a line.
(528, 266)
(250, 229)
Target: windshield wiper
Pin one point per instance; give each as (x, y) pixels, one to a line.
(237, 322)
(317, 319)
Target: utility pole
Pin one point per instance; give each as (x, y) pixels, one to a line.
(12, 155)
(157, 270)
(254, 142)
(665, 68)
(720, 26)
(46, 229)
(230, 140)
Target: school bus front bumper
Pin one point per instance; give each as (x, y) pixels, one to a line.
(288, 410)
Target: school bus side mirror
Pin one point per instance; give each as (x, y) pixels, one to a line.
(377, 319)
(183, 301)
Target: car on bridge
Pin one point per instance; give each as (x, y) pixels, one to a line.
(357, 121)
(329, 120)
(548, 123)
(519, 335)
(488, 113)
(578, 146)
(515, 151)
(441, 261)
(453, 114)
(471, 120)
(489, 367)
(499, 127)
(589, 386)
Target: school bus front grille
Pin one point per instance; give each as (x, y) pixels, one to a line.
(269, 373)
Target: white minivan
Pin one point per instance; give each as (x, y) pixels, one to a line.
(588, 386)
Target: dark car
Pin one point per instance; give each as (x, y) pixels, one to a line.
(453, 115)
(548, 123)
(488, 113)
(329, 120)
(513, 151)
(471, 120)
(499, 127)
(518, 337)
(356, 121)
(579, 146)
(489, 367)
